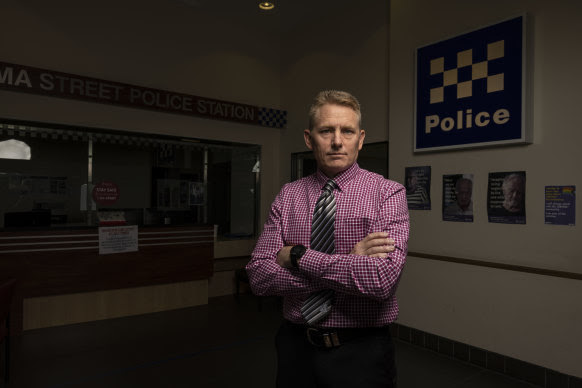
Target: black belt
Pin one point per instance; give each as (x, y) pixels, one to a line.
(333, 337)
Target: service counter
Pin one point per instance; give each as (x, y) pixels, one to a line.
(63, 268)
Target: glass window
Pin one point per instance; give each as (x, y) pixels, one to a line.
(78, 177)
(45, 190)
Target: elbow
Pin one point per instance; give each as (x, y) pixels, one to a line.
(257, 281)
(258, 288)
(377, 291)
(378, 287)
(386, 282)
(382, 287)
(381, 293)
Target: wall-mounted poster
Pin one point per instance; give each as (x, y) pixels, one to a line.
(560, 205)
(197, 193)
(458, 197)
(506, 197)
(470, 89)
(418, 187)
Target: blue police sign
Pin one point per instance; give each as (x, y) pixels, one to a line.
(470, 89)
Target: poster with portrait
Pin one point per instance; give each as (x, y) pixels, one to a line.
(458, 197)
(506, 197)
(417, 181)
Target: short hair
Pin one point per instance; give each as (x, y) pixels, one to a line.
(334, 97)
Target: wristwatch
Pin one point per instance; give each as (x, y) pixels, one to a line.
(297, 252)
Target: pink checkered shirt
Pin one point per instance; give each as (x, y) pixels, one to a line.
(364, 287)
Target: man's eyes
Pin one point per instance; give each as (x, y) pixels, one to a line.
(345, 131)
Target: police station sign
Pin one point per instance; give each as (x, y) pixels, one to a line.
(20, 78)
(470, 89)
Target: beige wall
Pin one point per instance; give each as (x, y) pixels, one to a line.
(529, 317)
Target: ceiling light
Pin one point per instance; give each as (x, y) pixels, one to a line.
(14, 149)
(266, 5)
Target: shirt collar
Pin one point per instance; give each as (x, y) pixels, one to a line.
(342, 179)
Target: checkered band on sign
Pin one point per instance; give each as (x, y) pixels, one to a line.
(272, 117)
(476, 71)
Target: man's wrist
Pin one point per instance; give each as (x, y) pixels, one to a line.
(296, 253)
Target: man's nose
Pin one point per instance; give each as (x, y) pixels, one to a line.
(336, 140)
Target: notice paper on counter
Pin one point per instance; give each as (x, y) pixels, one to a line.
(117, 239)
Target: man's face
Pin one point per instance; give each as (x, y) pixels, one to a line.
(335, 138)
(411, 182)
(464, 192)
(513, 195)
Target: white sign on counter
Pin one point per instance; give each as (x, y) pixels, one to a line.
(117, 239)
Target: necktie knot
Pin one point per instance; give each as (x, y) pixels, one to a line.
(330, 186)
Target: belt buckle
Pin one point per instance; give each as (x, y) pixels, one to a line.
(308, 333)
(330, 340)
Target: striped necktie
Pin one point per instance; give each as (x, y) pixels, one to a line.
(318, 305)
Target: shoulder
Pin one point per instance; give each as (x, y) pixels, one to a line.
(300, 184)
(298, 187)
(373, 180)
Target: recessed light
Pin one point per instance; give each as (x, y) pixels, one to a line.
(266, 5)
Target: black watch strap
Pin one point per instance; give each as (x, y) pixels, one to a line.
(297, 252)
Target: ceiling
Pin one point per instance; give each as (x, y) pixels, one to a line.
(287, 16)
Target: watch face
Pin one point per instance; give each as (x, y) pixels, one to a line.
(296, 252)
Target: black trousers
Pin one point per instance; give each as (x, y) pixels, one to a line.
(365, 361)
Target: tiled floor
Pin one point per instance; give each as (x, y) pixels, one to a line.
(223, 344)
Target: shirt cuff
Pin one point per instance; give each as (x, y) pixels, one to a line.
(311, 263)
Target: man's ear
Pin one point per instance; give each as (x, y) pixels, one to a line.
(307, 137)
(362, 136)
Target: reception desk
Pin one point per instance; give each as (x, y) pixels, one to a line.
(62, 278)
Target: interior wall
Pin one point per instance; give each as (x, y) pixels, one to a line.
(530, 317)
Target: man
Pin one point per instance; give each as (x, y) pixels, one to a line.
(513, 188)
(463, 204)
(333, 247)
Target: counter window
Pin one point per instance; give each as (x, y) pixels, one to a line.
(66, 177)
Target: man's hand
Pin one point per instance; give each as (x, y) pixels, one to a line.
(374, 245)
(284, 257)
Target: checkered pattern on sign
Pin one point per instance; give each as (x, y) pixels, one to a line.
(168, 145)
(272, 117)
(495, 82)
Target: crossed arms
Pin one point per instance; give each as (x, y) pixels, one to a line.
(371, 269)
